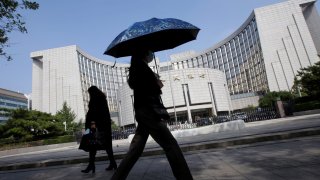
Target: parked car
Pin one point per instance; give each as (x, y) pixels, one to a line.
(203, 122)
(239, 115)
(221, 119)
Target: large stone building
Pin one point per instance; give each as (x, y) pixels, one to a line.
(263, 54)
(187, 93)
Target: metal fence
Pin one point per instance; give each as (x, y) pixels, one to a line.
(122, 133)
(180, 125)
(248, 116)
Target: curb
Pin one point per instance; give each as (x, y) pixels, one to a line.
(184, 147)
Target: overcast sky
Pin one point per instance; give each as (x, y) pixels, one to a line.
(92, 25)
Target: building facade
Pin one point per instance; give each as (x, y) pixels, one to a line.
(65, 74)
(186, 93)
(11, 100)
(266, 51)
(263, 54)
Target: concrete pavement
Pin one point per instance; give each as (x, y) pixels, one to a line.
(291, 159)
(277, 129)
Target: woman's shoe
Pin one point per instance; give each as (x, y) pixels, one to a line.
(111, 167)
(89, 168)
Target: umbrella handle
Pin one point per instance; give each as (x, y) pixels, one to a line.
(115, 62)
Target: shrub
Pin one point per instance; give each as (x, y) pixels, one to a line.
(59, 139)
(11, 143)
(310, 105)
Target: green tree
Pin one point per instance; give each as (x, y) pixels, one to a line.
(271, 97)
(77, 127)
(308, 80)
(19, 129)
(27, 125)
(2, 130)
(296, 89)
(11, 20)
(5, 112)
(67, 115)
(114, 126)
(249, 108)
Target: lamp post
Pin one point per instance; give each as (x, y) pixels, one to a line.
(120, 115)
(172, 93)
(134, 117)
(65, 125)
(228, 97)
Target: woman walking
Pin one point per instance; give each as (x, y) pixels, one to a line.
(99, 122)
(150, 115)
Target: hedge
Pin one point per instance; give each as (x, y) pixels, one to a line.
(9, 143)
(306, 106)
(59, 139)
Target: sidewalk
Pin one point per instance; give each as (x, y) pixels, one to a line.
(292, 159)
(262, 131)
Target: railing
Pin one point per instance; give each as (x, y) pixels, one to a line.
(122, 133)
(179, 126)
(248, 116)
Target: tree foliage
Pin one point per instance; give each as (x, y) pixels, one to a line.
(114, 126)
(27, 125)
(308, 80)
(249, 108)
(271, 97)
(5, 112)
(11, 20)
(67, 115)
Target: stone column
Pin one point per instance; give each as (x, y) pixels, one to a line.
(280, 108)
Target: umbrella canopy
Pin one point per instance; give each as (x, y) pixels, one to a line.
(154, 35)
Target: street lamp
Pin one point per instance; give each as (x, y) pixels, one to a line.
(65, 125)
(172, 93)
(134, 117)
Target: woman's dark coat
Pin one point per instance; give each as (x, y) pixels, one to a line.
(99, 113)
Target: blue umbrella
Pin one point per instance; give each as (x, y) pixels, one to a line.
(154, 35)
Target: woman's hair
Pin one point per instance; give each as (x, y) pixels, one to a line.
(96, 95)
(98, 108)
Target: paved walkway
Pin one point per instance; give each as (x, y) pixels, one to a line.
(277, 129)
(292, 159)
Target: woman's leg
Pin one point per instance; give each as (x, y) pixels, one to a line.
(109, 150)
(162, 135)
(92, 157)
(91, 165)
(135, 150)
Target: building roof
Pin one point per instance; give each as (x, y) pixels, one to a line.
(12, 94)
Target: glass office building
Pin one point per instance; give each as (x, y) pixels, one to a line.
(11, 100)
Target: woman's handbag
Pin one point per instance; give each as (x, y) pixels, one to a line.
(89, 141)
(84, 143)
